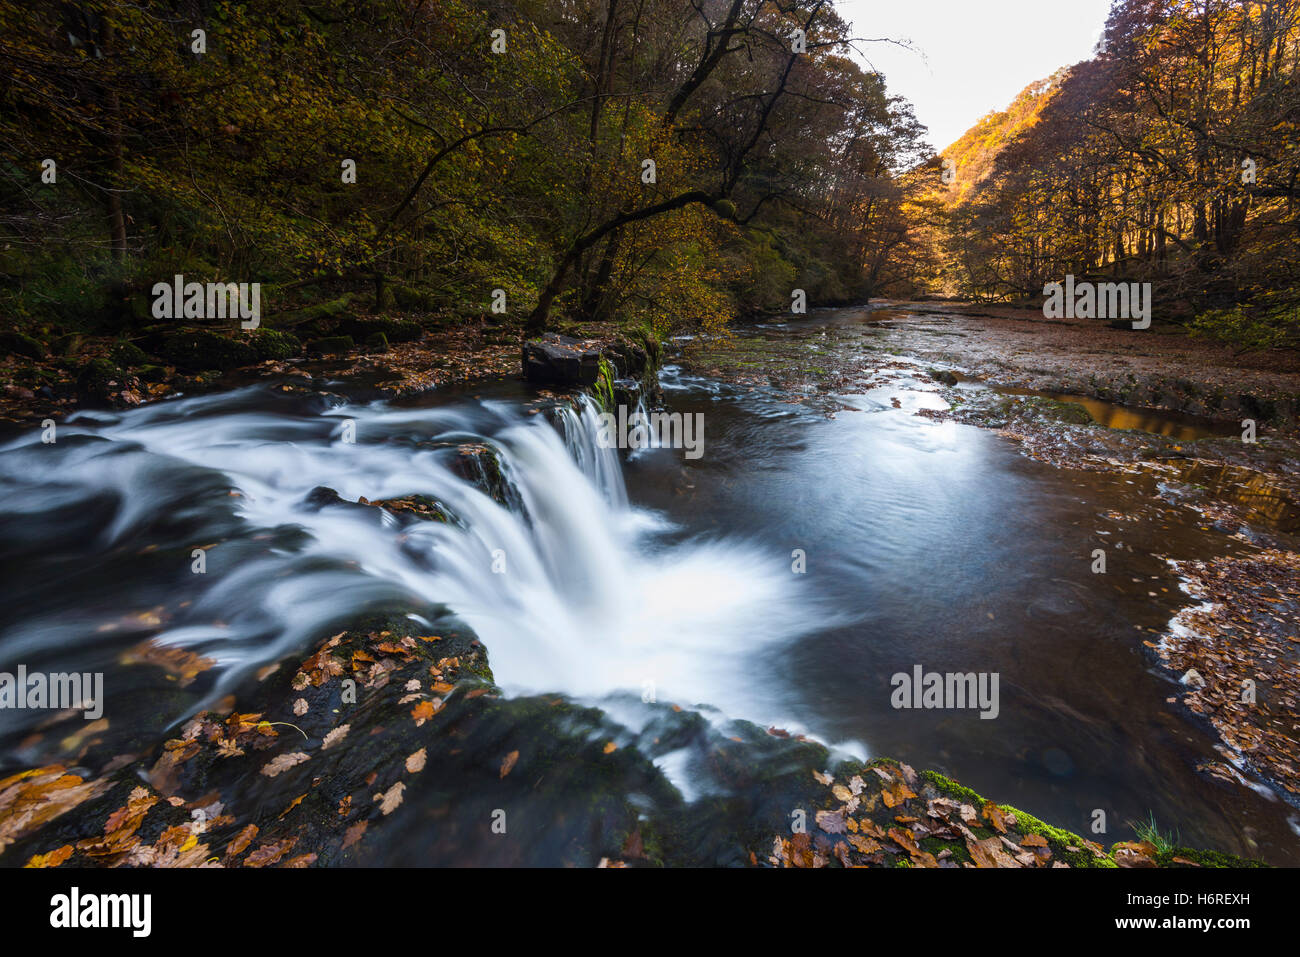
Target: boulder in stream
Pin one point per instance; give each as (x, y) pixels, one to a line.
(561, 360)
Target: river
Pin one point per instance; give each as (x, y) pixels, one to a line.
(783, 577)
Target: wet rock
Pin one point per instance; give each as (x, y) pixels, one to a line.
(393, 330)
(330, 345)
(561, 360)
(633, 359)
(322, 496)
(21, 344)
(101, 383)
(128, 355)
(271, 344)
(480, 465)
(201, 349)
(627, 392)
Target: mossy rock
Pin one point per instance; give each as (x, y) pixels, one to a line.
(330, 345)
(202, 350)
(407, 298)
(68, 344)
(21, 344)
(98, 381)
(1068, 413)
(376, 342)
(394, 330)
(128, 354)
(317, 312)
(272, 344)
(151, 373)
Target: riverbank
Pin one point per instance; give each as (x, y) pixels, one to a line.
(360, 750)
(423, 353)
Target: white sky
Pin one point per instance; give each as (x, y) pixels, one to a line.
(972, 56)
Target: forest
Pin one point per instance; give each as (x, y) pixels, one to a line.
(669, 164)
(1170, 157)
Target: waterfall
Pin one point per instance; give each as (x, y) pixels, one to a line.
(570, 587)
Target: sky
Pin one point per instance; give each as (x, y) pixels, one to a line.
(972, 56)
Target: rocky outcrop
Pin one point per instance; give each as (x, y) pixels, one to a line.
(616, 369)
(560, 360)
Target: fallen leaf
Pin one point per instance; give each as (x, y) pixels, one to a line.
(832, 822)
(353, 834)
(241, 841)
(52, 859)
(391, 799)
(283, 763)
(335, 736)
(508, 763)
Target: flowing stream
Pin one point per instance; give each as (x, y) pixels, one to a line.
(605, 574)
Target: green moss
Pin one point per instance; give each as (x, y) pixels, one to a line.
(127, 354)
(950, 788)
(330, 345)
(603, 389)
(1058, 840)
(201, 349)
(273, 344)
(936, 846)
(1203, 859)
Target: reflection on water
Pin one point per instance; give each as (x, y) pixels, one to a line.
(1261, 501)
(1174, 425)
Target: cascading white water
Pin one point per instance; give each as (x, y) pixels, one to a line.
(573, 592)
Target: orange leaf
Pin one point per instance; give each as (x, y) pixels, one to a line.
(507, 765)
